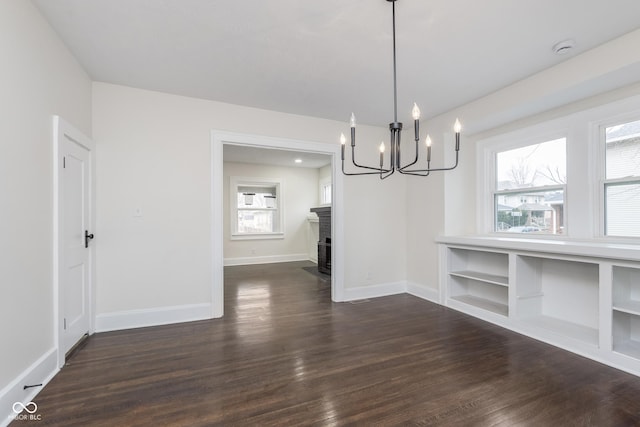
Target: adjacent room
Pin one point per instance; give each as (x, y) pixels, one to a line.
(373, 212)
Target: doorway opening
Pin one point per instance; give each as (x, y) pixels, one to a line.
(233, 141)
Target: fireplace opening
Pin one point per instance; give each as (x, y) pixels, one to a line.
(324, 239)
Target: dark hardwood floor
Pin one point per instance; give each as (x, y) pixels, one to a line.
(284, 355)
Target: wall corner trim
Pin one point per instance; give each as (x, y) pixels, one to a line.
(423, 292)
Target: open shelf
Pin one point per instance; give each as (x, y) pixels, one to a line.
(630, 307)
(626, 334)
(567, 329)
(628, 348)
(480, 264)
(626, 311)
(626, 289)
(494, 279)
(481, 294)
(561, 296)
(479, 279)
(485, 304)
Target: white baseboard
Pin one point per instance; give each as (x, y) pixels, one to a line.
(374, 291)
(423, 292)
(270, 259)
(40, 372)
(152, 317)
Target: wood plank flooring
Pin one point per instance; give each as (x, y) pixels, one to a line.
(285, 355)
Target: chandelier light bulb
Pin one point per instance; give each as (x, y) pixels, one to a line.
(382, 147)
(343, 139)
(415, 112)
(352, 121)
(428, 141)
(457, 127)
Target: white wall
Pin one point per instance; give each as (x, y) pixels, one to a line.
(38, 79)
(604, 74)
(153, 152)
(299, 193)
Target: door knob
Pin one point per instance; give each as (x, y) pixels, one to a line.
(87, 237)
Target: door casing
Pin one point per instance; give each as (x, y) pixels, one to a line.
(63, 130)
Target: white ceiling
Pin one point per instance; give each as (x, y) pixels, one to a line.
(273, 157)
(330, 57)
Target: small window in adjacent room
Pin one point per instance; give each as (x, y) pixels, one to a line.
(622, 180)
(325, 193)
(530, 188)
(255, 208)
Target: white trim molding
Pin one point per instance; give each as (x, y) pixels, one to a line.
(152, 317)
(424, 292)
(375, 291)
(271, 259)
(40, 372)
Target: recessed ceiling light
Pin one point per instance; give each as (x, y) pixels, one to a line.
(298, 160)
(563, 47)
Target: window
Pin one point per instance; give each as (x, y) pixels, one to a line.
(255, 208)
(622, 179)
(325, 191)
(529, 188)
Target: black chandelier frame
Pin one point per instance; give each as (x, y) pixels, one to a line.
(395, 129)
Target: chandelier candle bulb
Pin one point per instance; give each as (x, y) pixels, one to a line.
(457, 127)
(352, 123)
(415, 112)
(416, 121)
(428, 141)
(381, 154)
(343, 141)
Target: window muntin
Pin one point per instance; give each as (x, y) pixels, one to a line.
(530, 188)
(622, 180)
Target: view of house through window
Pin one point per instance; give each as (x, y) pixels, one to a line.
(530, 187)
(622, 180)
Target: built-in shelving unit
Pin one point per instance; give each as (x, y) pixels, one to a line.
(626, 311)
(581, 296)
(480, 279)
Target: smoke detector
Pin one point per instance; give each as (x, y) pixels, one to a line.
(563, 47)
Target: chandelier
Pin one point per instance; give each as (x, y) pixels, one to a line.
(395, 127)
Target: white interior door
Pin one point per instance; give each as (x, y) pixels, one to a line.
(74, 236)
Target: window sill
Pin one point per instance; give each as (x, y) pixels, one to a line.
(261, 236)
(590, 248)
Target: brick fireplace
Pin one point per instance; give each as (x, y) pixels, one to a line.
(324, 239)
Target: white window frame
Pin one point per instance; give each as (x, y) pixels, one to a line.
(488, 150)
(322, 184)
(234, 183)
(599, 136)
